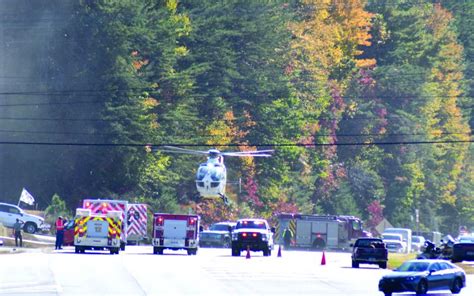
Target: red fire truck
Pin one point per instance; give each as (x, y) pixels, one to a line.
(321, 231)
(175, 232)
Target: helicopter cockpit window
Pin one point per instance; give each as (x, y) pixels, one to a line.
(201, 173)
(217, 175)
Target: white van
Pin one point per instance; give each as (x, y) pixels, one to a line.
(406, 234)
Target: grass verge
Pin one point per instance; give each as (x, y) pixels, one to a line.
(395, 260)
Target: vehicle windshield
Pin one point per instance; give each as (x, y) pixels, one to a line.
(367, 242)
(391, 237)
(416, 239)
(466, 239)
(220, 227)
(250, 224)
(413, 266)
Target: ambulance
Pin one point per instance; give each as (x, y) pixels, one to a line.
(97, 231)
(175, 232)
(137, 222)
(103, 206)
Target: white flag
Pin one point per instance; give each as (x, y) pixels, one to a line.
(27, 198)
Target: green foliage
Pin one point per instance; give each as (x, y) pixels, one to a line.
(56, 208)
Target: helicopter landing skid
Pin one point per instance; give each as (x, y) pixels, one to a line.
(225, 199)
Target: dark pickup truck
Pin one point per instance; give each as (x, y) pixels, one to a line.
(369, 251)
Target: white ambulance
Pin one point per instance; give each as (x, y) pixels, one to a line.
(97, 231)
(103, 206)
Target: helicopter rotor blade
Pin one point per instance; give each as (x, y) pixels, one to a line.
(260, 153)
(173, 149)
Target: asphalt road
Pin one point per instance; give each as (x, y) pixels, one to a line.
(212, 272)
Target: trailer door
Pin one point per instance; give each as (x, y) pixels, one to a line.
(333, 235)
(303, 233)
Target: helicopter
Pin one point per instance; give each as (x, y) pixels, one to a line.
(211, 176)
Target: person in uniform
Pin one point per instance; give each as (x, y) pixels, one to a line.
(17, 232)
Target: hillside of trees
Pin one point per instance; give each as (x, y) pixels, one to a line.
(367, 104)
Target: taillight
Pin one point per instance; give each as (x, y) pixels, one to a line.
(159, 221)
(244, 234)
(81, 232)
(113, 233)
(192, 221)
(254, 234)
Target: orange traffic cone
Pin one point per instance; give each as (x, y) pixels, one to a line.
(248, 252)
(323, 260)
(279, 251)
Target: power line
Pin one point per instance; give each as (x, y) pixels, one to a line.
(234, 145)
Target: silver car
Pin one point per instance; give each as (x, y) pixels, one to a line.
(9, 213)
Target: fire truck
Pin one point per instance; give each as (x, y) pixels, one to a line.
(136, 223)
(103, 206)
(97, 231)
(320, 231)
(175, 232)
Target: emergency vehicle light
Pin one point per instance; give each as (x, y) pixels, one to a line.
(104, 204)
(159, 220)
(88, 204)
(244, 234)
(254, 234)
(191, 221)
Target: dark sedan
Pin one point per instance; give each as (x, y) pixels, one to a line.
(424, 275)
(463, 249)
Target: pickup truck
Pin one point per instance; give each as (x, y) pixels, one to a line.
(369, 251)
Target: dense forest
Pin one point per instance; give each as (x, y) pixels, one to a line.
(367, 104)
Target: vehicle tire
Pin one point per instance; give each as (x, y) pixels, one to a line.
(160, 251)
(122, 246)
(455, 260)
(422, 288)
(265, 252)
(387, 293)
(155, 250)
(355, 264)
(269, 251)
(77, 251)
(235, 252)
(457, 286)
(383, 265)
(30, 227)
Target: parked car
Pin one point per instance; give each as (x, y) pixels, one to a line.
(9, 213)
(394, 242)
(423, 275)
(369, 251)
(463, 250)
(417, 243)
(218, 235)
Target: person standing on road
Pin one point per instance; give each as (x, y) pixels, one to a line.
(59, 233)
(287, 236)
(17, 232)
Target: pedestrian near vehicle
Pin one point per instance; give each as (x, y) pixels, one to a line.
(287, 236)
(59, 233)
(17, 232)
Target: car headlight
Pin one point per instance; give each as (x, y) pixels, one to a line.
(235, 236)
(264, 237)
(410, 278)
